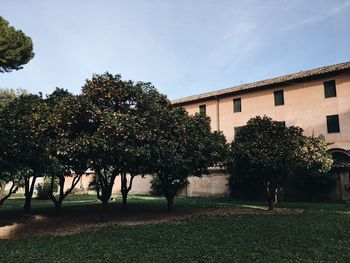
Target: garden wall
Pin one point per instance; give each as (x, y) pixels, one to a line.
(215, 184)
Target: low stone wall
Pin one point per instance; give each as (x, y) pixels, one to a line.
(140, 186)
(215, 184)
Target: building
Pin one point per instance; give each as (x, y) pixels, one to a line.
(316, 100)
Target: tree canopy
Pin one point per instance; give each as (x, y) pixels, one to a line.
(119, 145)
(24, 145)
(16, 49)
(8, 95)
(184, 146)
(68, 127)
(269, 152)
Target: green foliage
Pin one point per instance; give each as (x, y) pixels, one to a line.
(16, 49)
(129, 139)
(43, 189)
(183, 146)
(8, 95)
(24, 148)
(121, 143)
(22, 122)
(269, 152)
(68, 127)
(157, 189)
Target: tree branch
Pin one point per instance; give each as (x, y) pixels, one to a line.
(131, 179)
(50, 194)
(12, 190)
(75, 181)
(32, 185)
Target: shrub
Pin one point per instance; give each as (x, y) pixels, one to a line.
(156, 186)
(44, 188)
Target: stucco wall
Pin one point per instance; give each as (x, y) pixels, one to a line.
(140, 185)
(304, 106)
(208, 185)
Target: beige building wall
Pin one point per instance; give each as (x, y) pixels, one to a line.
(304, 105)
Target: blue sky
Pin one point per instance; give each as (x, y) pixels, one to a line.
(183, 47)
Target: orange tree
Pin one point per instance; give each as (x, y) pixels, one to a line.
(8, 170)
(9, 174)
(26, 147)
(69, 127)
(120, 145)
(269, 152)
(183, 146)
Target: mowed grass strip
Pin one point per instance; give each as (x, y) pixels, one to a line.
(320, 234)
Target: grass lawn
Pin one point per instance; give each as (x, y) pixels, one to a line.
(320, 234)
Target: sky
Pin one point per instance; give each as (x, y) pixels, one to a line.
(183, 47)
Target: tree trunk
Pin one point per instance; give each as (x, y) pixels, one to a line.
(271, 206)
(271, 194)
(125, 189)
(29, 189)
(62, 194)
(170, 202)
(27, 203)
(57, 201)
(105, 202)
(12, 190)
(104, 187)
(58, 205)
(124, 200)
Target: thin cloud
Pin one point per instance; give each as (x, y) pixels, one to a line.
(318, 18)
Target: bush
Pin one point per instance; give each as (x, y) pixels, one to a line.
(314, 188)
(156, 186)
(44, 188)
(246, 188)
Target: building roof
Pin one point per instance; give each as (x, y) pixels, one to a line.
(308, 74)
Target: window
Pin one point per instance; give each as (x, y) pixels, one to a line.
(333, 124)
(329, 89)
(237, 106)
(202, 109)
(279, 98)
(236, 130)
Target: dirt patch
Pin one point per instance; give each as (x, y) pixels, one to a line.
(38, 225)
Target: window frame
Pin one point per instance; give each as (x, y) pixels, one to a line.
(203, 109)
(330, 89)
(239, 109)
(275, 94)
(335, 129)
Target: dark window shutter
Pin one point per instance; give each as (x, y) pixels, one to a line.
(330, 89)
(237, 105)
(202, 109)
(333, 124)
(279, 97)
